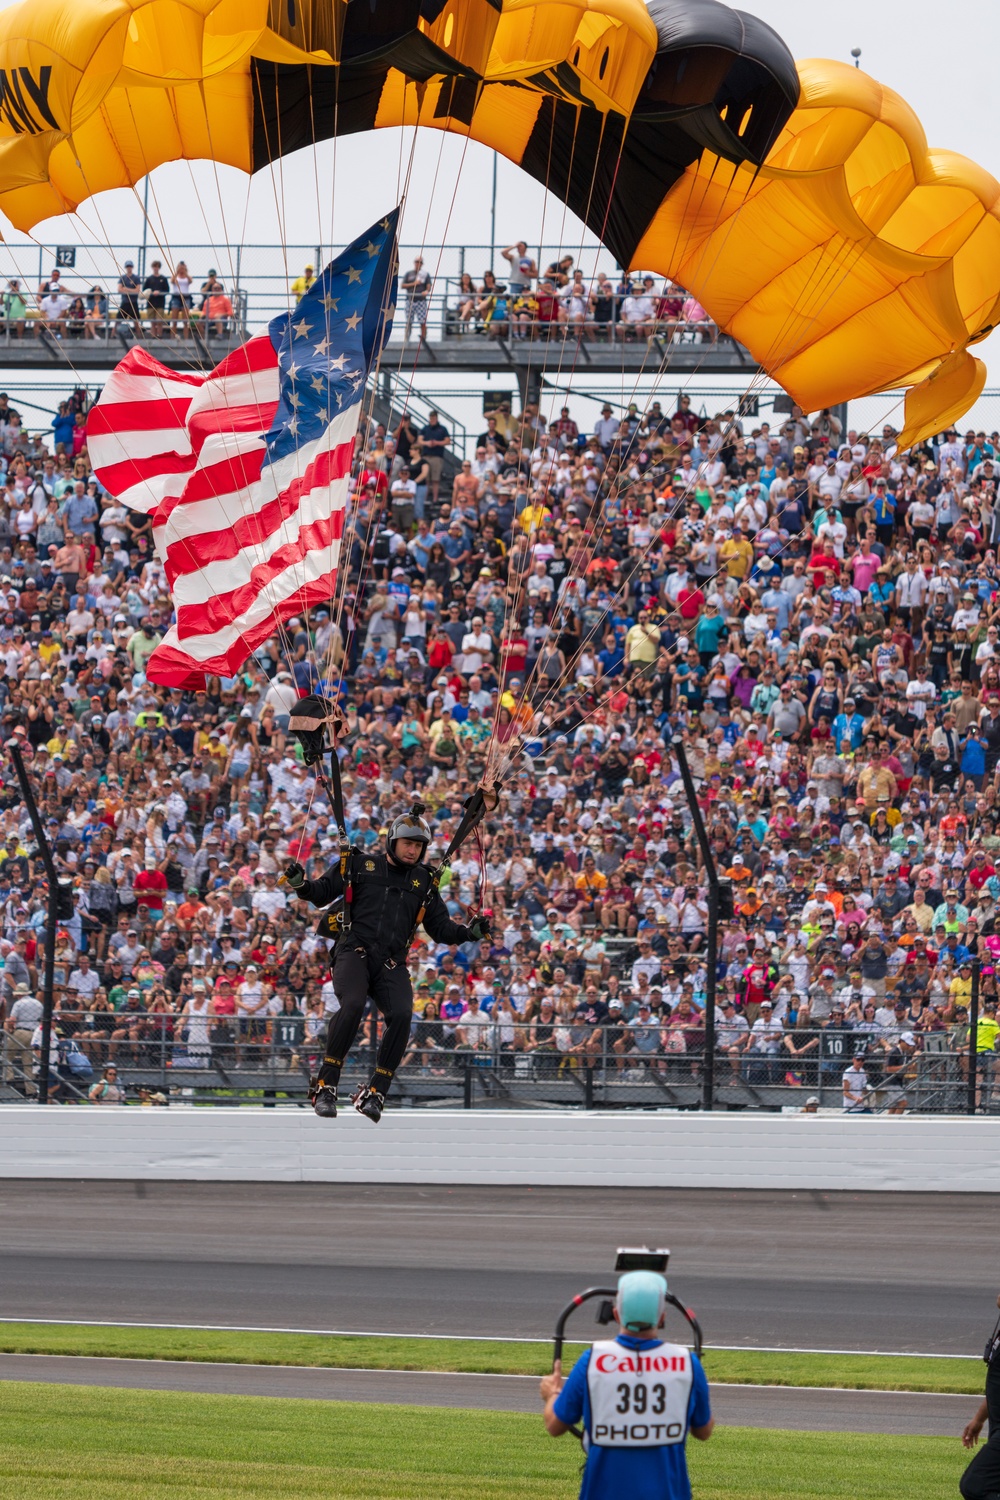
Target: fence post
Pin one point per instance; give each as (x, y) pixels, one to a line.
(970, 1104)
(467, 1091)
(714, 905)
(588, 1087)
(52, 913)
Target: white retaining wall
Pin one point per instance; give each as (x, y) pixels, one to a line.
(484, 1146)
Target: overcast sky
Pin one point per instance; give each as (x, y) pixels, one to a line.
(940, 58)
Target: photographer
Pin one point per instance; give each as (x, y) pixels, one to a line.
(981, 1480)
(638, 1398)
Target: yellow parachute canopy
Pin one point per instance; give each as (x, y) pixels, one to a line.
(802, 206)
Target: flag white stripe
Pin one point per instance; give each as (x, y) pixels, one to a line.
(256, 388)
(129, 387)
(120, 447)
(221, 577)
(280, 591)
(150, 493)
(211, 513)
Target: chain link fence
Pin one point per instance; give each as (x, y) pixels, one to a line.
(480, 1061)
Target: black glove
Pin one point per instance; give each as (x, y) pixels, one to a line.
(480, 928)
(295, 875)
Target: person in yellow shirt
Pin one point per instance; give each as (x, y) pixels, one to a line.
(736, 555)
(12, 849)
(960, 989)
(987, 1029)
(49, 650)
(642, 646)
(533, 516)
(302, 283)
(876, 781)
(215, 746)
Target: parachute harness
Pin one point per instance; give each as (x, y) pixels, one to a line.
(311, 719)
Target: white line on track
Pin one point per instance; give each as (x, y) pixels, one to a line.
(462, 1338)
(229, 1364)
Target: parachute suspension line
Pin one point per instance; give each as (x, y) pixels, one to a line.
(364, 428)
(666, 355)
(279, 189)
(512, 610)
(597, 536)
(531, 349)
(762, 375)
(315, 165)
(280, 210)
(562, 241)
(248, 513)
(548, 697)
(367, 558)
(338, 588)
(336, 154)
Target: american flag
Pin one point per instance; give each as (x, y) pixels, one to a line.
(246, 471)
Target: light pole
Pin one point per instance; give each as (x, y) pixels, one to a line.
(493, 214)
(145, 227)
(720, 904)
(856, 54)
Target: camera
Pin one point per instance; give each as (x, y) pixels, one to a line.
(642, 1260)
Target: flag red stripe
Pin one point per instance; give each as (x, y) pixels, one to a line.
(225, 609)
(234, 476)
(168, 667)
(135, 471)
(260, 521)
(167, 413)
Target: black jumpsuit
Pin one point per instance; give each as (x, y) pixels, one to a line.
(370, 959)
(981, 1480)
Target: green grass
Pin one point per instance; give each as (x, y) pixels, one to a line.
(66, 1442)
(744, 1367)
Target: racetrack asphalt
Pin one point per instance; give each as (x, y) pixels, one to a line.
(737, 1406)
(867, 1271)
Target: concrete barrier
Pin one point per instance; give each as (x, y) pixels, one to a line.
(912, 1154)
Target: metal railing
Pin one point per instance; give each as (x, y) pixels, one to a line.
(109, 326)
(475, 1060)
(259, 279)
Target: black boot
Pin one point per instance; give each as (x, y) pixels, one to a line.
(324, 1101)
(369, 1103)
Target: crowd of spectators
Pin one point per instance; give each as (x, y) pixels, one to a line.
(161, 304)
(814, 613)
(560, 301)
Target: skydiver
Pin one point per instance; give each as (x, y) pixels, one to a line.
(391, 894)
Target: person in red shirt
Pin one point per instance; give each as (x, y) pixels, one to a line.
(690, 602)
(376, 479)
(980, 871)
(824, 560)
(151, 883)
(513, 656)
(440, 652)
